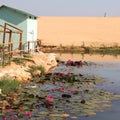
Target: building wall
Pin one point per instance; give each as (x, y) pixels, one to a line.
(76, 30)
(14, 18)
(31, 31)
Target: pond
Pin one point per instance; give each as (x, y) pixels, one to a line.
(108, 67)
(86, 90)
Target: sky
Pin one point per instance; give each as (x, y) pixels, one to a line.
(66, 7)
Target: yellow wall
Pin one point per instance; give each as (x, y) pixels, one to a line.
(75, 30)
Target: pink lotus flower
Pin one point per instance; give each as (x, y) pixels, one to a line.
(69, 62)
(49, 96)
(15, 117)
(11, 110)
(21, 108)
(52, 89)
(61, 88)
(80, 62)
(72, 90)
(28, 113)
(4, 118)
(49, 99)
(68, 73)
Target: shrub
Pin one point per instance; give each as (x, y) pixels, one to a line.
(8, 84)
(32, 70)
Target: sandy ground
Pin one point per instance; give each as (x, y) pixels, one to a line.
(76, 30)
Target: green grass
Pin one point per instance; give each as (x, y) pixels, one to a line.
(36, 72)
(103, 49)
(8, 84)
(32, 70)
(19, 61)
(27, 56)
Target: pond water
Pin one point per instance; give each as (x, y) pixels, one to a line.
(108, 67)
(89, 57)
(60, 95)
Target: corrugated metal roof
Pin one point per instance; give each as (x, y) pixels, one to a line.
(20, 11)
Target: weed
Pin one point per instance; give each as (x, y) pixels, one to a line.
(36, 71)
(19, 61)
(8, 84)
(27, 56)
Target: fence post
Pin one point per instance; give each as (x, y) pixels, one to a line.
(11, 49)
(9, 46)
(20, 44)
(28, 46)
(4, 36)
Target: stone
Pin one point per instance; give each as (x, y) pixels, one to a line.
(19, 72)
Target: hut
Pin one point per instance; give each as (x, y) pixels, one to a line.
(25, 21)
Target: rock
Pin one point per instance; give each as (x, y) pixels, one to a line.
(48, 61)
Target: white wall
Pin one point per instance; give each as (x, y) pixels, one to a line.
(31, 31)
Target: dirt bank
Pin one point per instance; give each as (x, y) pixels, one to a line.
(19, 71)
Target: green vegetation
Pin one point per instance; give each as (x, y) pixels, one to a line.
(107, 50)
(6, 56)
(19, 61)
(2, 47)
(8, 84)
(27, 56)
(36, 72)
(103, 49)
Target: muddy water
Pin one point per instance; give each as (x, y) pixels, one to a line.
(108, 67)
(90, 57)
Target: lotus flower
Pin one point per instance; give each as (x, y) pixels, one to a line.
(69, 62)
(15, 117)
(80, 62)
(28, 113)
(49, 99)
(21, 108)
(53, 89)
(49, 96)
(4, 118)
(11, 110)
(68, 73)
(72, 90)
(61, 88)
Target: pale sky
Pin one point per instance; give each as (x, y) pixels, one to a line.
(66, 7)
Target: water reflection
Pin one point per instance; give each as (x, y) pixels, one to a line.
(89, 57)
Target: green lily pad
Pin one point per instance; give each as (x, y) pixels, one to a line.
(43, 113)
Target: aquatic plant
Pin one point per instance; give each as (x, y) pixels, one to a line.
(62, 77)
